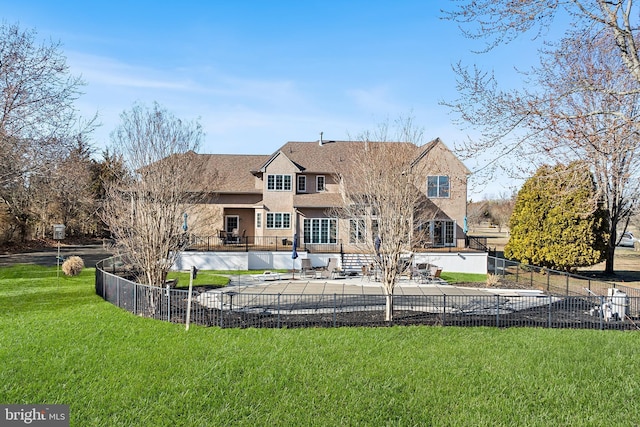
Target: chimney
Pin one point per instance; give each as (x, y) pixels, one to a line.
(321, 142)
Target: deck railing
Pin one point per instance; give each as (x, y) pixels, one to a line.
(224, 243)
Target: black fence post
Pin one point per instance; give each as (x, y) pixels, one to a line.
(531, 279)
(548, 279)
(221, 308)
(444, 310)
(601, 313)
(334, 310)
(549, 325)
(168, 304)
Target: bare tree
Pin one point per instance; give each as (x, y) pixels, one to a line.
(581, 103)
(477, 213)
(502, 21)
(145, 209)
(37, 115)
(383, 192)
(500, 211)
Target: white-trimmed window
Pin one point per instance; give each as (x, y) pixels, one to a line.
(320, 183)
(320, 230)
(357, 231)
(302, 184)
(258, 219)
(279, 182)
(438, 186)
(278, 220)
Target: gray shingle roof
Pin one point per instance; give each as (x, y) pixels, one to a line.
(234, 171)
(329, 157)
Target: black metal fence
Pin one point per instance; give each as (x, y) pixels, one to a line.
(552, 281)
(241, 243)
(227, 309)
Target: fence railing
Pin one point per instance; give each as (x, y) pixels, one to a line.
(552, 281)
(226, 243)
(228, 309)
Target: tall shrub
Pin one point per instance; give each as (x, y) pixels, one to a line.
(558, 221)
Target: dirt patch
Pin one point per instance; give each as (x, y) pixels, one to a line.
(626, 265)
(626, 262)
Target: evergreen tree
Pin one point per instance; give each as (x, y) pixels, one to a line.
(558, 222)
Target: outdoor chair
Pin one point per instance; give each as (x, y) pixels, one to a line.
(366, 272)
(335, 271)
(423, 272)
(232, 237)
(306, 267)
(434, 274)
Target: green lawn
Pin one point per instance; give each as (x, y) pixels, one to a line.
(61, 344)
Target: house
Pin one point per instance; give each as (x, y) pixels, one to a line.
(264, 200)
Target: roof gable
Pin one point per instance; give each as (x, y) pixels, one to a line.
(437, 144)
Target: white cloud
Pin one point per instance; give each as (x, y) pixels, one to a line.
(374, 100)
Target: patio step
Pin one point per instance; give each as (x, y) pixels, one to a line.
(354, 262)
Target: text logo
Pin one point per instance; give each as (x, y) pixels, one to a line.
(34, 415)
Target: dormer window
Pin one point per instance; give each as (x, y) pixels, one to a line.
(279, 182)
(320, 183)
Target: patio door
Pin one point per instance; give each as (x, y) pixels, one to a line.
(443, 233)
(231, 222)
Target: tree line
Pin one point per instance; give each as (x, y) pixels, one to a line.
(48, 173)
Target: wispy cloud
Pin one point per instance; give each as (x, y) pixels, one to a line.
(375, 99)
(98, 70)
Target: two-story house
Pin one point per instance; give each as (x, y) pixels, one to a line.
(266, 199)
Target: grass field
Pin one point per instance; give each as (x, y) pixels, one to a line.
(61, 344)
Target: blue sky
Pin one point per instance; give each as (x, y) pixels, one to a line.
(260, 73)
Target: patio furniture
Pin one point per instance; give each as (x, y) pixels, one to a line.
(367, 272)
(233, 237)
(306, 267)
(423, 272)
(335, 271)
(270, 276)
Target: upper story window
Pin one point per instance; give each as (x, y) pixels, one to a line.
(437, 186)
(279, 182)
(302, 184)
(320, 183)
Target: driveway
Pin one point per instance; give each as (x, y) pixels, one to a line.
(47, 257)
